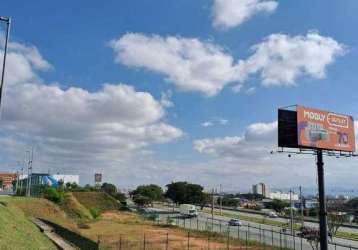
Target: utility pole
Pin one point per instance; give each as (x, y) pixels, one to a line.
(322, 202)
(22, 176)
(7, 20)
(291, 211)
(302, 216)
(212, 209)
(17, 181)
(29, 171)
(221, 201)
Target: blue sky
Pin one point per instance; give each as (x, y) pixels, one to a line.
(88, 44)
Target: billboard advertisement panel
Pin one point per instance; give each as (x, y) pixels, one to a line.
(325, 130)
(98, 177)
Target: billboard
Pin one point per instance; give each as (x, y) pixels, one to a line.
(97, 177)
(325, 130)
(315, 129)
(287, 128)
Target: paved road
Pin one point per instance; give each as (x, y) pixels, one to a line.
(254, 231)
(310, 224)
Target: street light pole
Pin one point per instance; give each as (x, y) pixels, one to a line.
(7, 20)
(221, 201)
(302, 215)
(291, 211)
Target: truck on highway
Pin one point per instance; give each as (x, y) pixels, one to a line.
(188, 210)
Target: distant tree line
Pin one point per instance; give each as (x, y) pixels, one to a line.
(177, 192)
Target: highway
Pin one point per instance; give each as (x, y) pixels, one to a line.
(280, 219)
(253, 231)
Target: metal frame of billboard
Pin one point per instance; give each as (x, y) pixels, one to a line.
(290, 140)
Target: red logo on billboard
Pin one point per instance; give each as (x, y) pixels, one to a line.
(337, 120)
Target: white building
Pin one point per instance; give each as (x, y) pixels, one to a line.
(262, 189)
(67, 178)
(283, 196)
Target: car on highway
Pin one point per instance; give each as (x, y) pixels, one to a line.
(235, 222)
(272, 215)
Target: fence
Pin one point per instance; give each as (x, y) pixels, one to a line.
(207, 234)
(191, 241)
(267, 237)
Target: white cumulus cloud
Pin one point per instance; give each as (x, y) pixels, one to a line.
(256, 141)
(193, 65)
(280, 59)
(232, 13)
(73, 127)
(190, 64)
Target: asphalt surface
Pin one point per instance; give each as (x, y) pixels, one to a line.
(253, 231)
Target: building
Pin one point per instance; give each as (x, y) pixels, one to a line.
(38, 181)
(284, 196)
(6, 180)
(261, 189)
(67, 178)
(311, 203)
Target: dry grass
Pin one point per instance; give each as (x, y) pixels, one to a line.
(45, 209)
(97, 200)
(114, 226)
(75, 209)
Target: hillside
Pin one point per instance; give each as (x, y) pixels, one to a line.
(97, 200)
(17, 232)
(42, 208)
(74, 209)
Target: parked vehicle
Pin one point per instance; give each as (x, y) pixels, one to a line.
(235, 222)
(188, 210)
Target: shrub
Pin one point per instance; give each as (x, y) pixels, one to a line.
(96, 212)
(152, 217)
(53, 195)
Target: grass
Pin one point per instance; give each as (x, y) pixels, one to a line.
(109, 227)
(97, 200)
(75, 209)
(130, 227)
(17, 232)
(42, 208)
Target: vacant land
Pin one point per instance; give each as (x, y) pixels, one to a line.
(112, 228)
(132, 231)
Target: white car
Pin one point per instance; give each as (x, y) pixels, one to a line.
(235, 222)
(272, 215)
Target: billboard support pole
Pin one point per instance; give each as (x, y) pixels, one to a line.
(322, 202)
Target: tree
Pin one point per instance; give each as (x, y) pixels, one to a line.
(183, 192)
(176, 191)
(109, 188)
(120, 196)
(152, 191)
(277, 205)
(250, 196)
(353, 203)
(335, 221)
(140, 200)
(228, 201)
(311, 235)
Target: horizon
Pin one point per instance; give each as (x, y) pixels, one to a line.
(175, 91)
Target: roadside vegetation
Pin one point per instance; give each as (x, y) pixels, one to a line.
(17, 232)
